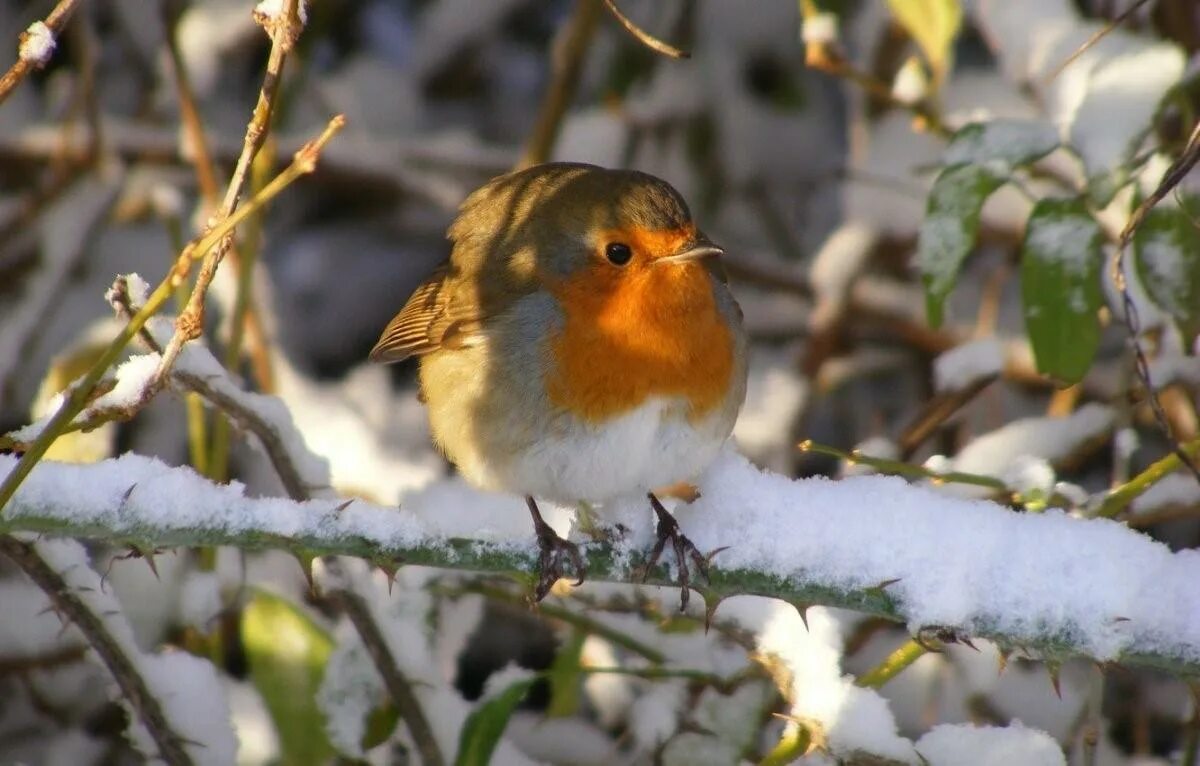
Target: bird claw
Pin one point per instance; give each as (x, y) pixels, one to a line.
(552, 552)
(668, 530)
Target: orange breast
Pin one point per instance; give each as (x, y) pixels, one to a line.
(631, 335)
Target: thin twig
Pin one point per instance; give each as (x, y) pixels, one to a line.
(644, 37)
(900, 468)
(123, 668)
(568, 59)
(397, 685)
(1095, 38)
(304, 162)
(284, 31)
(53, 24)
(1175, 173)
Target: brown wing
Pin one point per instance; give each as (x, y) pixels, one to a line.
(413, 330)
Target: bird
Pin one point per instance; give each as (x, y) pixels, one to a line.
(579, 344)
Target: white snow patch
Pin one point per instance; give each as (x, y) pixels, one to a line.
(964, 365)
(200, 599)
(37, 44)
(954, 744)
(1176, 490)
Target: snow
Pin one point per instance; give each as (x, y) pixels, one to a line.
(186, 687)
(851, 718)
(37, 44)
(953, 744)
(350, 689)
(963, 366)
(957, 562)
(1175, 490)
(820, 28)
(274, 9)
(1009, 141)
(910, 86)
(200, 599)
(1052, 439)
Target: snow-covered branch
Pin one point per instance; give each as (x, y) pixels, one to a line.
(1049, 584)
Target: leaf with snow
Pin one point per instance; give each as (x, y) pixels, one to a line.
(1166, 249)
(484, 726)
(1013, 142)
(287, 653)
(1109, 109)
(1060, 286)
(949, 229)
(933, 24)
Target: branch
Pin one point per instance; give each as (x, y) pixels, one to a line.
(70, 605)
(397, 685)
(644, 37)
(36, 46)
(568, 58)
(865, 544)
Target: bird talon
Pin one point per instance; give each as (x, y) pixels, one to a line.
(668, 529)
(551, 551)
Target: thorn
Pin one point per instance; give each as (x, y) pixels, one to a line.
(966, 641)
(711, 602)
(390, 571)
(128, 493)
(1120, 619)
(802, 608)
(1053, 669)
(886, 583)
(343, 506)
(306, 566)
(708, 557)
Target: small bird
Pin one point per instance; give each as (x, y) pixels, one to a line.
(580, 344)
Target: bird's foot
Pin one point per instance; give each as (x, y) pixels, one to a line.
(668, 531)
(553, 552)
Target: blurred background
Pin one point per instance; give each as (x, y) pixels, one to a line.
(811, 172)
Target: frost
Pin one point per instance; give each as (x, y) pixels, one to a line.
(37, 44)
(1010, 142)
(963, 366)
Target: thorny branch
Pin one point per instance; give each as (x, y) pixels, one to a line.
(124, 670)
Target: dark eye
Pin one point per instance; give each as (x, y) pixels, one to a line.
(618, 253)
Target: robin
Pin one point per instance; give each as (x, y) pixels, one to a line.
(580, 344)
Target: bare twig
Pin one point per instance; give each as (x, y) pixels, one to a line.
(568, 59)
(304, 162)
(190, 322)
(935, 412)
(397, 685)
(112, 653)
(1095, 38)
(1175, 173)
(644, 37)
(26, 60)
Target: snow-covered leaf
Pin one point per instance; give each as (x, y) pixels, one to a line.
(1013, 142)
(1167, 251)
(1060, 286)
(949, 229)
(287, 653)
(1114, 104)
(933, 24)
(483, 728)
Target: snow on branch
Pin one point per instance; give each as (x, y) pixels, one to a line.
(1050, 584)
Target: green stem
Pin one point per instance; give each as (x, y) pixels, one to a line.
(908, 470)
(1119, 498)
(908, 653)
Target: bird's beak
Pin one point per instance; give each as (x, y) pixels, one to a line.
(695, 252)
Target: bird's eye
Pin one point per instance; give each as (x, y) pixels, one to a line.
(618, 253)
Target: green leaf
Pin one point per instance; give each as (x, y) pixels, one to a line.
(933, 24)
(483, 728)
(565, 677)
(287, 653)
(1013, 142)
(949, 229)
(381, 722)
(1061, 259)
(1166, 248)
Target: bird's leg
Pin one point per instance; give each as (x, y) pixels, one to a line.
(551, 549)
(668, 529)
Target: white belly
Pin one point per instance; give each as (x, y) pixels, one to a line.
(652, 446)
